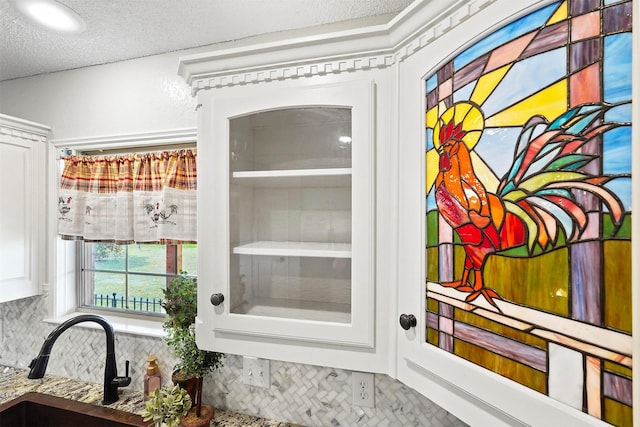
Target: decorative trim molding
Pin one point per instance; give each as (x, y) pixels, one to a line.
(372, 47)
(426, 32)
(175, 136)
(293, 70)
(23, 129)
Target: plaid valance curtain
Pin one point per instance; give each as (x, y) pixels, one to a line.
(148, 198)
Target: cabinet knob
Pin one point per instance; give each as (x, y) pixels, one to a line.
(408, 321)
(217, 299)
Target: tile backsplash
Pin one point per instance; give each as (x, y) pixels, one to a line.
(303, 394)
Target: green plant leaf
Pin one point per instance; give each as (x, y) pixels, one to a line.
(180, 303)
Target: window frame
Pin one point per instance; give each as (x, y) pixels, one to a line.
(85, 301)
(62, 255)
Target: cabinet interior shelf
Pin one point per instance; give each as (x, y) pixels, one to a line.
(295, 309)
(330, 177)
(300, 249)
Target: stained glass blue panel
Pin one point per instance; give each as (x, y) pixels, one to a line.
(520, 82)
(622, 188)
(617, 63)
(617, 158)
(432, 82)
(620, 114)
(463, 93)
(429, 142)
(497, 148)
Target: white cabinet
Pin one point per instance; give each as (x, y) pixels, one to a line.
(458, 370)
(318, 253)
(295, 199)
(22, 199)
(286, 220)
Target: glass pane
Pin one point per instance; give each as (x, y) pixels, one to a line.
(310, 288)
(190, 259)
(105, 289)
(147, 258)
(107, 256)
(300, 138)
(145, 293)
(290, 205)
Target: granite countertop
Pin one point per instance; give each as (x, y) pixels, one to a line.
(14, 383)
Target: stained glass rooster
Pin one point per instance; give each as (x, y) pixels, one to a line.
(535, 198)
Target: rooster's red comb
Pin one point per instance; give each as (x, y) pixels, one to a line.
(451, 131)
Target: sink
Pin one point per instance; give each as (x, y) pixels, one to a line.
(42, 410)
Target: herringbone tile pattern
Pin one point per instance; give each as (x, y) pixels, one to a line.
(303, 394)
(318, 396)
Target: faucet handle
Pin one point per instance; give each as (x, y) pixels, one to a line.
(123, 381)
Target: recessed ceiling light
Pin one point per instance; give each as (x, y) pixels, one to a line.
(51, 14)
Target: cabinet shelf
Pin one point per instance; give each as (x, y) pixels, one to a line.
(300, 249)
(331, 177)
(296, 309)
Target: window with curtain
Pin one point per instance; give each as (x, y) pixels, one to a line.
(134, 217)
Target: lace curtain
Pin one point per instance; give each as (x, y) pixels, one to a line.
(142, 198)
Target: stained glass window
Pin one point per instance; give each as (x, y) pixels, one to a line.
(528, 183)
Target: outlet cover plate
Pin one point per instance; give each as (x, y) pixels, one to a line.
(255, 372)
(363, 388)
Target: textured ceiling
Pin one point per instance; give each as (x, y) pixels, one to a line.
(125, 29)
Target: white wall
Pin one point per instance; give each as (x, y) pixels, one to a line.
(139, 95)
(136, 96)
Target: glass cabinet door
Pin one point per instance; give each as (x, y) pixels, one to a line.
(288, 216)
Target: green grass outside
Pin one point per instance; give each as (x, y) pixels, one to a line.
(142, 259)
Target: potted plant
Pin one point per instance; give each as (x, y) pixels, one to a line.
(166, 406)
(180, 304)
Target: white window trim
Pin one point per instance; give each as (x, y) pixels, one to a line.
(121, 325)
(61, 255)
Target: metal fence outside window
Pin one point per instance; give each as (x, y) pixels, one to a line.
(133, 303)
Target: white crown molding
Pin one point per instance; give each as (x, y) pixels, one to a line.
(143, 139)
(378, 46)
(23, 129)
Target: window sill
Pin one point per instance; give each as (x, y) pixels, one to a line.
(121, 324)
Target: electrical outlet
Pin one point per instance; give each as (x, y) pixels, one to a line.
(255, 371)
(363, 388)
